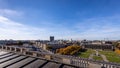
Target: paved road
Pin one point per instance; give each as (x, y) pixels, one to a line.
(104, 58)
(91, 56)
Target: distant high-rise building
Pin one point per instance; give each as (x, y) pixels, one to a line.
(51, 38)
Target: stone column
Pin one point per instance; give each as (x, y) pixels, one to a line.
(10, 48)
(2, 48)
(48, 57)
(106, 66)
(110, 66)
(24, 52)
(81, 63)
(34, 54)
(84, 63)
(66, 60)
(15, 49)
(103, 66)
(21, 50)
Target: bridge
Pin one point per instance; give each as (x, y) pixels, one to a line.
(18, 57)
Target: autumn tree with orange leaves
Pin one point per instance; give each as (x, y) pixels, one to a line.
(70, 50)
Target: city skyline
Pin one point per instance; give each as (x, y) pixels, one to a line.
(64, 19)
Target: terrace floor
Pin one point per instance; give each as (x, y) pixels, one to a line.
(12, 60)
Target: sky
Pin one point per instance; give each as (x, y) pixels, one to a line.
(64, 19)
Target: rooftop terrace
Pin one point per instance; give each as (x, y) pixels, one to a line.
(12, 60)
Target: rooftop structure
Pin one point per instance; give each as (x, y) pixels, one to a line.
(51, 38)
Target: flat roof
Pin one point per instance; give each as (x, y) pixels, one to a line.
(12, 60)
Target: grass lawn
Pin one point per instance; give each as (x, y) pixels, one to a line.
(111, 56)
(97, 57)
(86, 54)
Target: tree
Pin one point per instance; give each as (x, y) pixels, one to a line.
(117, 45)
(70, 50)
(117, 51)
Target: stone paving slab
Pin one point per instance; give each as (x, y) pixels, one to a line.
(51, 65)
(11, 61)
(35, 64)
(5, 59)
(5, 55)
(21, 63)
(2, 52)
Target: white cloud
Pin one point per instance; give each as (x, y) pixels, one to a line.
(99, 28)
(10, 12)
(95, 28)
(13, 30)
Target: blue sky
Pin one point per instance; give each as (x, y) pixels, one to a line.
(64, 19)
